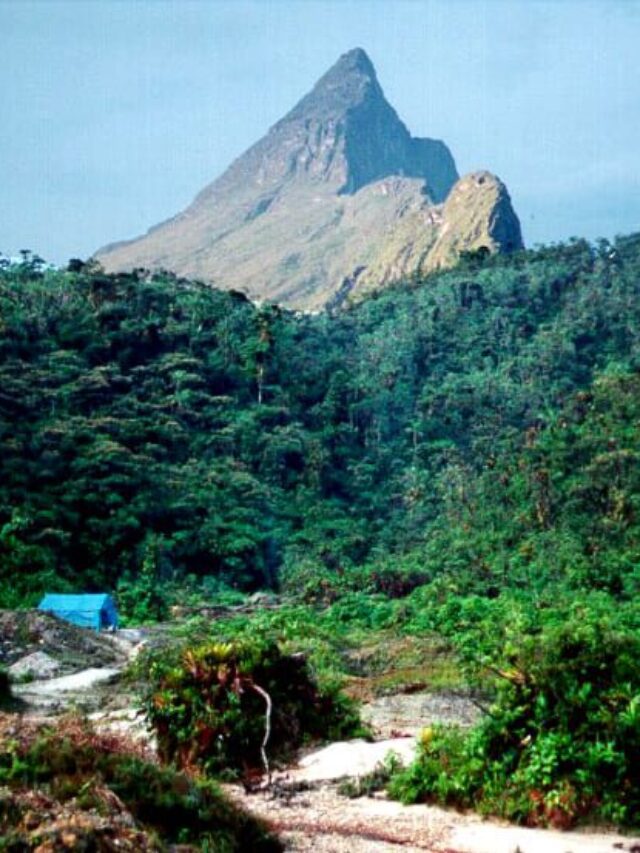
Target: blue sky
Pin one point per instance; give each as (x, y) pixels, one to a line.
(115, 113)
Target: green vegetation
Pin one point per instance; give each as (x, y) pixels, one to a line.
(561, 740)
(377, 780)
(73, 765)
(154, 430)
(237, 706)
(452, 461)
(363, 642)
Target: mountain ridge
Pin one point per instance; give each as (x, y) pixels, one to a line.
(309, 203)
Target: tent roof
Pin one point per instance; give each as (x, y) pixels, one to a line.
(81, 602)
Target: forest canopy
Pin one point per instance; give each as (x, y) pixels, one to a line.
(480, 424)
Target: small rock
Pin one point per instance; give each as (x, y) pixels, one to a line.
(38, 665)
(351, 758)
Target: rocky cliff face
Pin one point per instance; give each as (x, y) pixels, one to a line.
(337, 192)
(343, 133)
(476, 215)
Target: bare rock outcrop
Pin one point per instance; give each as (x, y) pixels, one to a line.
(476, 216)
(338, 185)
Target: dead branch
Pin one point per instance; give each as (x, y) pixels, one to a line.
(267, 728)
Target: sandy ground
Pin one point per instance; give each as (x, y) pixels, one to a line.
(320, 819)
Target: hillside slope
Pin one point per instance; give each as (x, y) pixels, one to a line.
(158, 426)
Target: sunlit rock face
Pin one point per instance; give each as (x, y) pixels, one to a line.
(336, 198)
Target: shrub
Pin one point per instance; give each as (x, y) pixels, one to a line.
(74, 762)
(208, 705)
(369, 783)
(562, 740)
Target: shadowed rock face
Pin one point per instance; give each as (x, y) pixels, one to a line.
(309, 206)
(343, 133)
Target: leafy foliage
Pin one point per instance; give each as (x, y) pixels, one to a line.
(144, 418)
(562, 738)
(207, 704)
(454, 457)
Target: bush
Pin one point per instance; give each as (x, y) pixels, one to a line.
(208, 705)
(370, 783)
(560, 743)
(71, 762)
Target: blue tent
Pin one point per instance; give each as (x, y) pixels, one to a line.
(87, 610)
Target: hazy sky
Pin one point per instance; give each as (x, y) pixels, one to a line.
(114, 113)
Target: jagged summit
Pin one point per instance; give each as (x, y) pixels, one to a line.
(345, 134)
(346, 84)
(311, 202)
(356, 59)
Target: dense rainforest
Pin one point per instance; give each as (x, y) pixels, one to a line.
(480, 424)
(451, 464)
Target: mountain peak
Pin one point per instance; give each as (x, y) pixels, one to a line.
(335, 191)
(345, 131)
(355, 61)
(344, 86)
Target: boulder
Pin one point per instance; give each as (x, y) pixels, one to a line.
(37, 666)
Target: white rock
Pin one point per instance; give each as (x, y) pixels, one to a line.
(351, 758)
(78, 681)
(37, 665)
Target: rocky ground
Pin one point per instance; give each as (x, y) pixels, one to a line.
(37, 645)
(404, 715)
(56, 668)
(322, 820)
(74, 668)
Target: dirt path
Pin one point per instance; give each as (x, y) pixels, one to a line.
(322, 820)
(305, 808)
